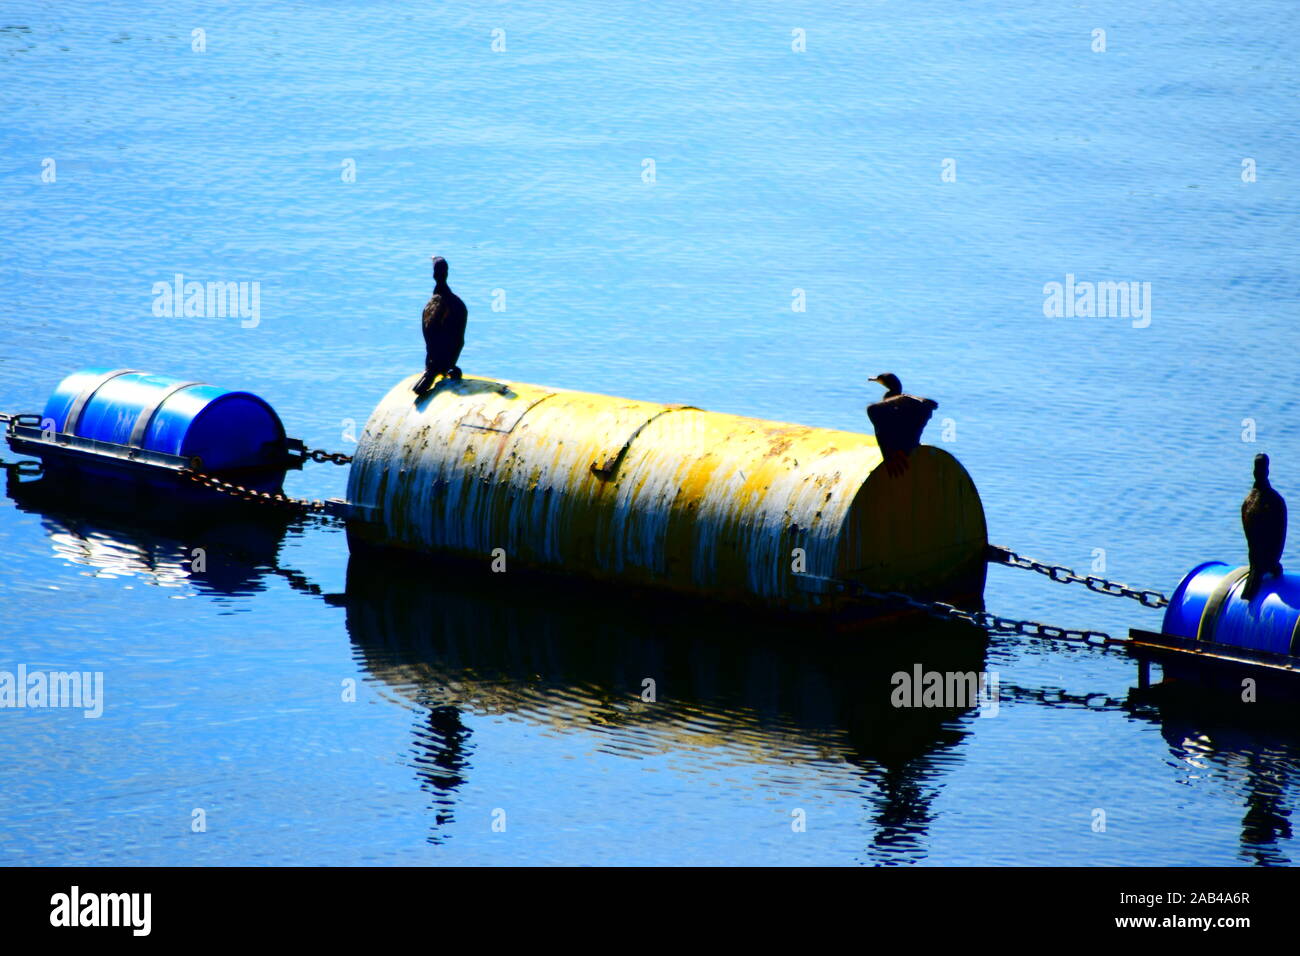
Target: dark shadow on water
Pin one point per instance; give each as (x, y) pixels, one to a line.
(728, 688)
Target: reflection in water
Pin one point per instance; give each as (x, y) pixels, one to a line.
(648, 677)
(440, 758)
(1252, 748)
(136, 533)
(729, 692)
(1268, 817)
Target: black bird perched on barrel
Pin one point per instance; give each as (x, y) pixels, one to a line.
(1263, 518)
(899, 420)
(443, 322)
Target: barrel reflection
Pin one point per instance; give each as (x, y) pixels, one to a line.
(135, 531)
(646, 676)
(1251, 748)
(639, 676)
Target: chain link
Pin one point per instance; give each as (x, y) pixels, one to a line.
(1057, 697)
(278, 499)
(982, 619)
(320, 455)
(14, 419)
(27, 468)
(1064, 575)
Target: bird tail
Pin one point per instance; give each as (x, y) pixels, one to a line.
(1251, 587)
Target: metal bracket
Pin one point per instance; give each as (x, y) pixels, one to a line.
(147, 413)
(31, 439)
(73, 419)
(295, 453)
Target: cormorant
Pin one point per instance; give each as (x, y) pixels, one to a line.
(899, 420)
(1263, 518)
(443, 321)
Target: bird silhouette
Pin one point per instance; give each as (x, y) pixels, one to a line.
(443, 322)
(898, 420)
(1263, 518)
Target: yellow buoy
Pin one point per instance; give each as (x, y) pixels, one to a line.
(660, 495)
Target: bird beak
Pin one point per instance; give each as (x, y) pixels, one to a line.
(875, 379)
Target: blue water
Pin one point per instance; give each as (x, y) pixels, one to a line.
(775, 171)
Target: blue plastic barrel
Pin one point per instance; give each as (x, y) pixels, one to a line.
(226, 430)
(1208, 606)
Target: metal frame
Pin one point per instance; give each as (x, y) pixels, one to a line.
(73, 419)
(1147, 646)
(32, 440)
(147, 414)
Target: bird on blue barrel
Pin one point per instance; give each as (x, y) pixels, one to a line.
(1255, 607)
(1263, 518)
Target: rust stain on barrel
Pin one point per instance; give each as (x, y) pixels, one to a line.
(658, 494)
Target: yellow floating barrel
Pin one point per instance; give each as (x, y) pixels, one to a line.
(660, 495)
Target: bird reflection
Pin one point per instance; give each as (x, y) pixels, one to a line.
(1254, 746)
(652, 676)
(440, 759)
(1268, 817)
(903, 815)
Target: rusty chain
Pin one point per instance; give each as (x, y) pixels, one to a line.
(982, 619)
(279, 499)
(1064, 575)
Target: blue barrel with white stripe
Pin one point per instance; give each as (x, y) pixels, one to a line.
(1208, 606)
(227, 431)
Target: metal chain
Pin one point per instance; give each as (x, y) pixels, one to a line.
(1057, 697)
(11, 420)
(982, 619)
(1064, 575)
(30, 468)
(319, 455)
(27, 468)
(278, 499)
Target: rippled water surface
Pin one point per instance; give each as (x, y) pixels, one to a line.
(775, 171)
